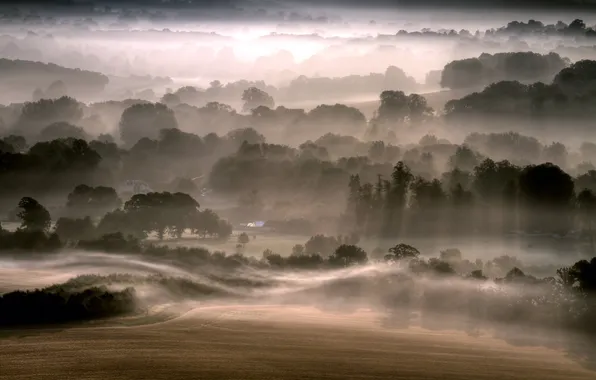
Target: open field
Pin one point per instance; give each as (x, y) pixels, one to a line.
(264, 342)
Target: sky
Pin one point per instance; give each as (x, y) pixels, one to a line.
(538, 4)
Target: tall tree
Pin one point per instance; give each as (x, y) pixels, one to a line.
(547, 192)
(348, 255)
(396, 199)
(394, 107)
(586, 203)
(34, 217)
(145, 120)
(254, 97)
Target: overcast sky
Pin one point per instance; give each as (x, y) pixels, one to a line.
(343, 3)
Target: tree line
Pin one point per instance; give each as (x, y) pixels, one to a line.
(495, 197)
(162, 214)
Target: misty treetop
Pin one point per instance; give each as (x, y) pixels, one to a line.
(498, 198)
(565, 99)
(491, 68)
(148, 118)
(56, 80)
(442, 175)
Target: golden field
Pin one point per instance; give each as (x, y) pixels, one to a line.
(268, 342)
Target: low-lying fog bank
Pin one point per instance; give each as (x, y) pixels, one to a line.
(405, 289)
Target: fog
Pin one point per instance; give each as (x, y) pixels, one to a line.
(319, 42)
(432, 166)
(399, 296)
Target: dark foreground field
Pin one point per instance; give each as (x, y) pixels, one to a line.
(264, 342)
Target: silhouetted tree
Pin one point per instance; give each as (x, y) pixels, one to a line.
(348, 255)
(75, 229)
(243, 239)
(586, 202)
(402, 251)
(92, 201)
(254, 97)
(547, 191)
(145, 120)
(37, 115)
(322, 245)
(62, 130)
(34, 217)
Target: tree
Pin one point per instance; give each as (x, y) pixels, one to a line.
(92, 201)
(239, 136)
(506, 263)
(376, 151)
(402, 251)
(180, 211)
(170, 100)
(394, 107)
(225, 229)
(584, 274)
(254, 97)
(298, 250)
(173, 143)
(547, 191)
(477, 275)
(243, 239)
(510, 66)
(145, 120)
(37, 115)
(395, 201)
(464, 159)
(396, 78)
(162, 213)
(18, 143)
(75, 229)
(348, 255)
(566, 277)
(329, 117)
(577, 79)
(577, 25)
(6, 148)
(419, 110)
(427, 195)
(586, 181)
(206, 223)
(122, 222)
(112, 242)
(65, 156)
(34, 217)
(555, 153)
(451, 255)
(491, 178)
(461, 197)
(586, 202)
(462, 73)
(515, 275)
(440, 267)
(321, 244)
(56, 90)
(62, 130)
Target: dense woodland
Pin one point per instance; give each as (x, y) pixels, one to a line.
(493, 182)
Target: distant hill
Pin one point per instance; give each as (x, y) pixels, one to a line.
(21, 78)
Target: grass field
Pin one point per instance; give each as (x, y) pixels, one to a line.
(264, 342)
